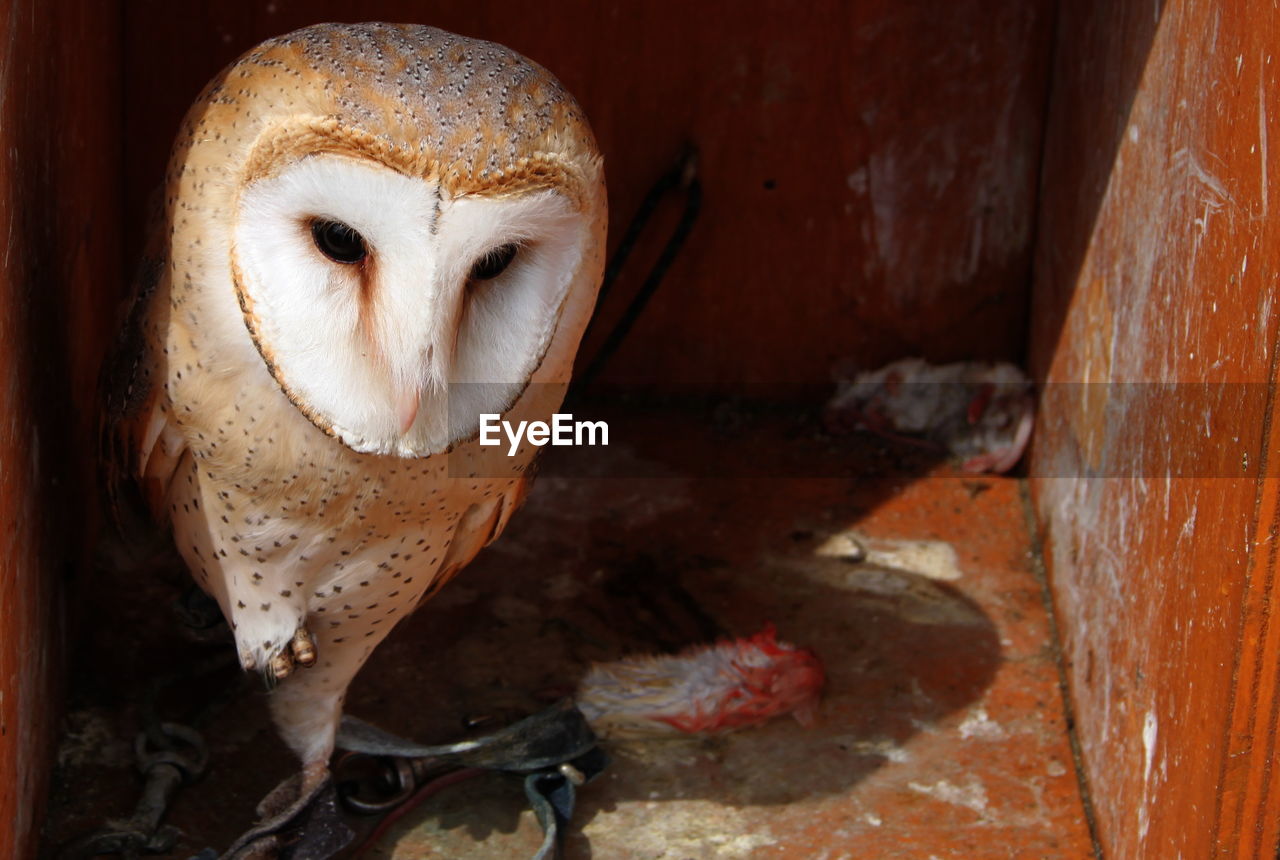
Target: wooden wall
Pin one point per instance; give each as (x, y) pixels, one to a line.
(1157, 262)
(869, 166)
(59, 216)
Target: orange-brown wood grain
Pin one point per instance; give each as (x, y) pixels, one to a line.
(58, 285)
(1156, 264)
(1246, 823)
(869, 167)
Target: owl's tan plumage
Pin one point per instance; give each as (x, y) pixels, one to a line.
(317, 524)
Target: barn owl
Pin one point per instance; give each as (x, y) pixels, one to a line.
(371, 235)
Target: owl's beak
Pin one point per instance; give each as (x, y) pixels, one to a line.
(407, 408)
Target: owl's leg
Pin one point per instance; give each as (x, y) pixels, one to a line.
(308, 706)
(307, 711)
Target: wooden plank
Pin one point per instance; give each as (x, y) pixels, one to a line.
(58, 282)
(869, 167)
(1154, 265)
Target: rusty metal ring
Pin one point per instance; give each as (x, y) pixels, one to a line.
(398, 774)
(191, 764)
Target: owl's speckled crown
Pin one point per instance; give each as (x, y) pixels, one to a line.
(403, 94)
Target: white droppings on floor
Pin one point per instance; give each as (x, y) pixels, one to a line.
(972, 795)
(889, 749)
(978, 725)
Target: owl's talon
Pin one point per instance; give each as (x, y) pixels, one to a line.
(303, 647)
(282, 665)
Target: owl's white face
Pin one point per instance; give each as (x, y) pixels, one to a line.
(378, 301)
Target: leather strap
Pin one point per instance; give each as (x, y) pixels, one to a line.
(555, 750)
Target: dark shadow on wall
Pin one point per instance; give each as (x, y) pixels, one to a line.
(59, 195)
(1100, 53)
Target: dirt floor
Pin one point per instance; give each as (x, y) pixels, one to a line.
(942, 731)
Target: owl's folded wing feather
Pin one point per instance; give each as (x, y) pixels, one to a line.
(140, 448)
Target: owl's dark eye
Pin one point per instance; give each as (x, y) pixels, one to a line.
(337, 241)
(494, 262)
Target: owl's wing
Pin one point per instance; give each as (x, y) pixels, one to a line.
(479, 527)
(139, 447)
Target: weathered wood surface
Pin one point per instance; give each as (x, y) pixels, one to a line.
(1156, 263)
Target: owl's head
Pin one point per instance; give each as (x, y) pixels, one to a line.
(413, 224)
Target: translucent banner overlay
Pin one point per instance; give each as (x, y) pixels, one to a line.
(1098, 430)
